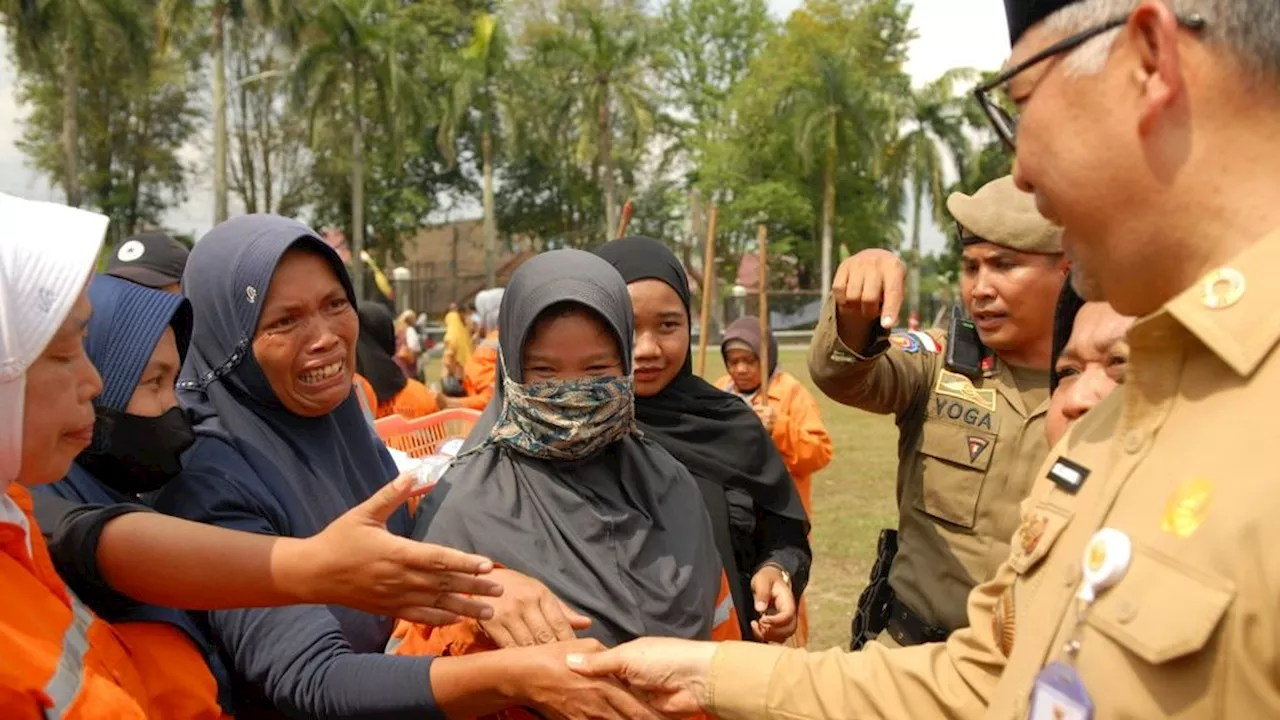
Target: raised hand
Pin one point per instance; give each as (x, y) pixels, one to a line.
(869, 288)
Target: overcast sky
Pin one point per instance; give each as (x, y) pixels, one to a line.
(949, 36)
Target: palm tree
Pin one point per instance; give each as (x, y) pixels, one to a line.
(62, 34)
(604, 54)
(934, 119)
(479, 68)
(840, 113)
(350, 49)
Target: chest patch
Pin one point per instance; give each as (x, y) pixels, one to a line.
(959, 387)
(963, 412)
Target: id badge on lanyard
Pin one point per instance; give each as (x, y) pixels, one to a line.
(1059, 693)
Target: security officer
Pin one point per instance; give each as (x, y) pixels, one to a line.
(1143, 581)
(969, 403)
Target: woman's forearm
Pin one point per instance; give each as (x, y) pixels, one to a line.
(166, 561)
(474, 685)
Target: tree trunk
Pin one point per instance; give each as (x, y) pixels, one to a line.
(606, 164)
(829, 205)
(357, 185)
(913, 282)
(219, 112)
(70, 125)
(490, 219)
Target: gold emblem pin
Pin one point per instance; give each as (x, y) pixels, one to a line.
(1031, 532)
(1187, 508)
(1097, 555)
(1223, 288)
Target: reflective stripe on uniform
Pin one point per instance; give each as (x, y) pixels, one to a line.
(68, 677)
(723, 611)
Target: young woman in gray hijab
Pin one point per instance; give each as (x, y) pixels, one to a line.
(562, 486)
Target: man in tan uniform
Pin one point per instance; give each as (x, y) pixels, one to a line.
(971, 434)
(1144, 579)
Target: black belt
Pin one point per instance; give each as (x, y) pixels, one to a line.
(908, 628)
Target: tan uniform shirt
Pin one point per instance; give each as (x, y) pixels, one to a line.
(967, 451)
(1180, 461)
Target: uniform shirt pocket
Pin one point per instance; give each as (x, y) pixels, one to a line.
(955, 464)
(1163, 609)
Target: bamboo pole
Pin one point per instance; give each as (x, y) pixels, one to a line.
(627, 210)
(762, 239)
(708, 279)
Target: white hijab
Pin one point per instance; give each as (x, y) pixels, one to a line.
(488, 304)
(47, 253)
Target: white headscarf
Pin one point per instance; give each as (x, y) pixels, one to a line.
(487, 304)
(47, 253)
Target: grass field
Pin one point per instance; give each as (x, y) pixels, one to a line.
(853, 498)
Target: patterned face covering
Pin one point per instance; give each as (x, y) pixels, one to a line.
(565, 419)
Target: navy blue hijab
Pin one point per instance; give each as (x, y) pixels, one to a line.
(333, 462)
(126, 325)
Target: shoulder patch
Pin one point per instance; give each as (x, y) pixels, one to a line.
(914, 341)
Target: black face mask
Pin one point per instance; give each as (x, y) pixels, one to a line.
(142, 453)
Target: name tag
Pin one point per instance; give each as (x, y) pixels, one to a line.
(1068, 475)
(1060, 695)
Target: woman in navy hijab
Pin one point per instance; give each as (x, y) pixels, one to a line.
(137, 338)
(283, 448)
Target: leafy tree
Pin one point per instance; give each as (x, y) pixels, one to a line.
(269, 162)
(59, 39)
(476, 73)
(351, 57)
(933, 122)
(137, 107)
(599, 54)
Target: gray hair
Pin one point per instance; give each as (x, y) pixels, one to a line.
(1250, 28)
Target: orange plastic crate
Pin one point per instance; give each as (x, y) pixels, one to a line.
(422, 436)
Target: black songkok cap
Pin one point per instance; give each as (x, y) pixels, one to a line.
(1022, 14)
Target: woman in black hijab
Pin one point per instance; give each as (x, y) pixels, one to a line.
(563, 487)
(759, 522)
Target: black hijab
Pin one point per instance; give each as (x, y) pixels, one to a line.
(375, 352)
(621, 536)
(713, 433)
(1064, 320)
(334, 462)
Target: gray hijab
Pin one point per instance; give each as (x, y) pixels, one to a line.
(622, 537)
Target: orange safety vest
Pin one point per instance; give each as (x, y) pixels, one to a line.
(466, 638)
(58, 661)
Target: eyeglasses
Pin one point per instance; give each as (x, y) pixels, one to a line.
(1004, 122)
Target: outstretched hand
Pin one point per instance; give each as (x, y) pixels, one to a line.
(356, 562)
(528, 614)
(671, 675)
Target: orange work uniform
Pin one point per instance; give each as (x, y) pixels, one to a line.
(803, 443)
(57, 659)
(481, 374)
